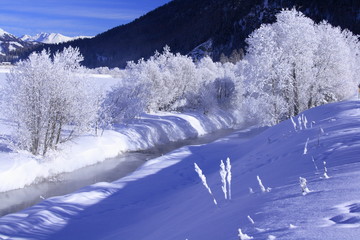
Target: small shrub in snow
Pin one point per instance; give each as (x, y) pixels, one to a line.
(291, 226)
(228, 177)
(263, 189)
(300, 123)
(251, 191)
(304, 120)
(305, 148)
(321, 132)
(223, 178)
(203, 180)
(303, 184)
(313, 160)
(294, 123)
(244, 236)
(271, 237)
(325, 175)
(250, 219)
(225, 174)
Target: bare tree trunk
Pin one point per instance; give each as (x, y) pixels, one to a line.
(46, 140)
(58, 135)
(296, 93)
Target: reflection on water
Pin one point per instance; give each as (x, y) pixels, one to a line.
(107, 171)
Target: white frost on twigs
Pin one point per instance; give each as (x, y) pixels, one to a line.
(228, 178)
(244, 236)
(223, 178)
(262, 187)
(325, 175)
(313, 160)
(299, 121)
(203, 180)
(303, 184)
(294, 123)
(250, 219)
(305, 148)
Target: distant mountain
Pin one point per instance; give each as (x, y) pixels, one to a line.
(50, 38)
(212, 27)
(10, 46)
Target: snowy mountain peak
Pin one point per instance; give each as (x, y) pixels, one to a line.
(46, 38)
(26, 38)
(49, 38)
(3, 32)
(4, 35)
(9, 43)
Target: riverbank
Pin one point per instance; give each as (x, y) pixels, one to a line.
(19, 169)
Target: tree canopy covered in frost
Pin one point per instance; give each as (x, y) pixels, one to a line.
(167, 76)
(295, 64)
(48, 99)
(220, 86)
(173, 82)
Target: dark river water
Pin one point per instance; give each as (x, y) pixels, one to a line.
(106, 171)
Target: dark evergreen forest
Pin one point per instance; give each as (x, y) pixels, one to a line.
(184, 24)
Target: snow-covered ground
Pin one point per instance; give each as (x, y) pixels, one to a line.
(165, 199)
(18, 169)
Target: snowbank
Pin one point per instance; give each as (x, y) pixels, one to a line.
(19, 169)
(165, 199)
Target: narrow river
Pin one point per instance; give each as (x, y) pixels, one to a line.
(107, 171)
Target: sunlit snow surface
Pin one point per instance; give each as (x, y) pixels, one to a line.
(165, 199)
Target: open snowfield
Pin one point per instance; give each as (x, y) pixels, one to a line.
(165, 199)
(20, 168)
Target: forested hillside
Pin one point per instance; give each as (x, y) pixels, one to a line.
(185, 24)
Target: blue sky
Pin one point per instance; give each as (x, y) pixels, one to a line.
(70, 17)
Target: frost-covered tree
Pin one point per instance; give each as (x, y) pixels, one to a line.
(48, 100)
(126, 100)
(264, 77)
(280, 59)
(220, 86)
(336, 65)
(168, 82)
(295, 64)
(168, 77)
(303, 184)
